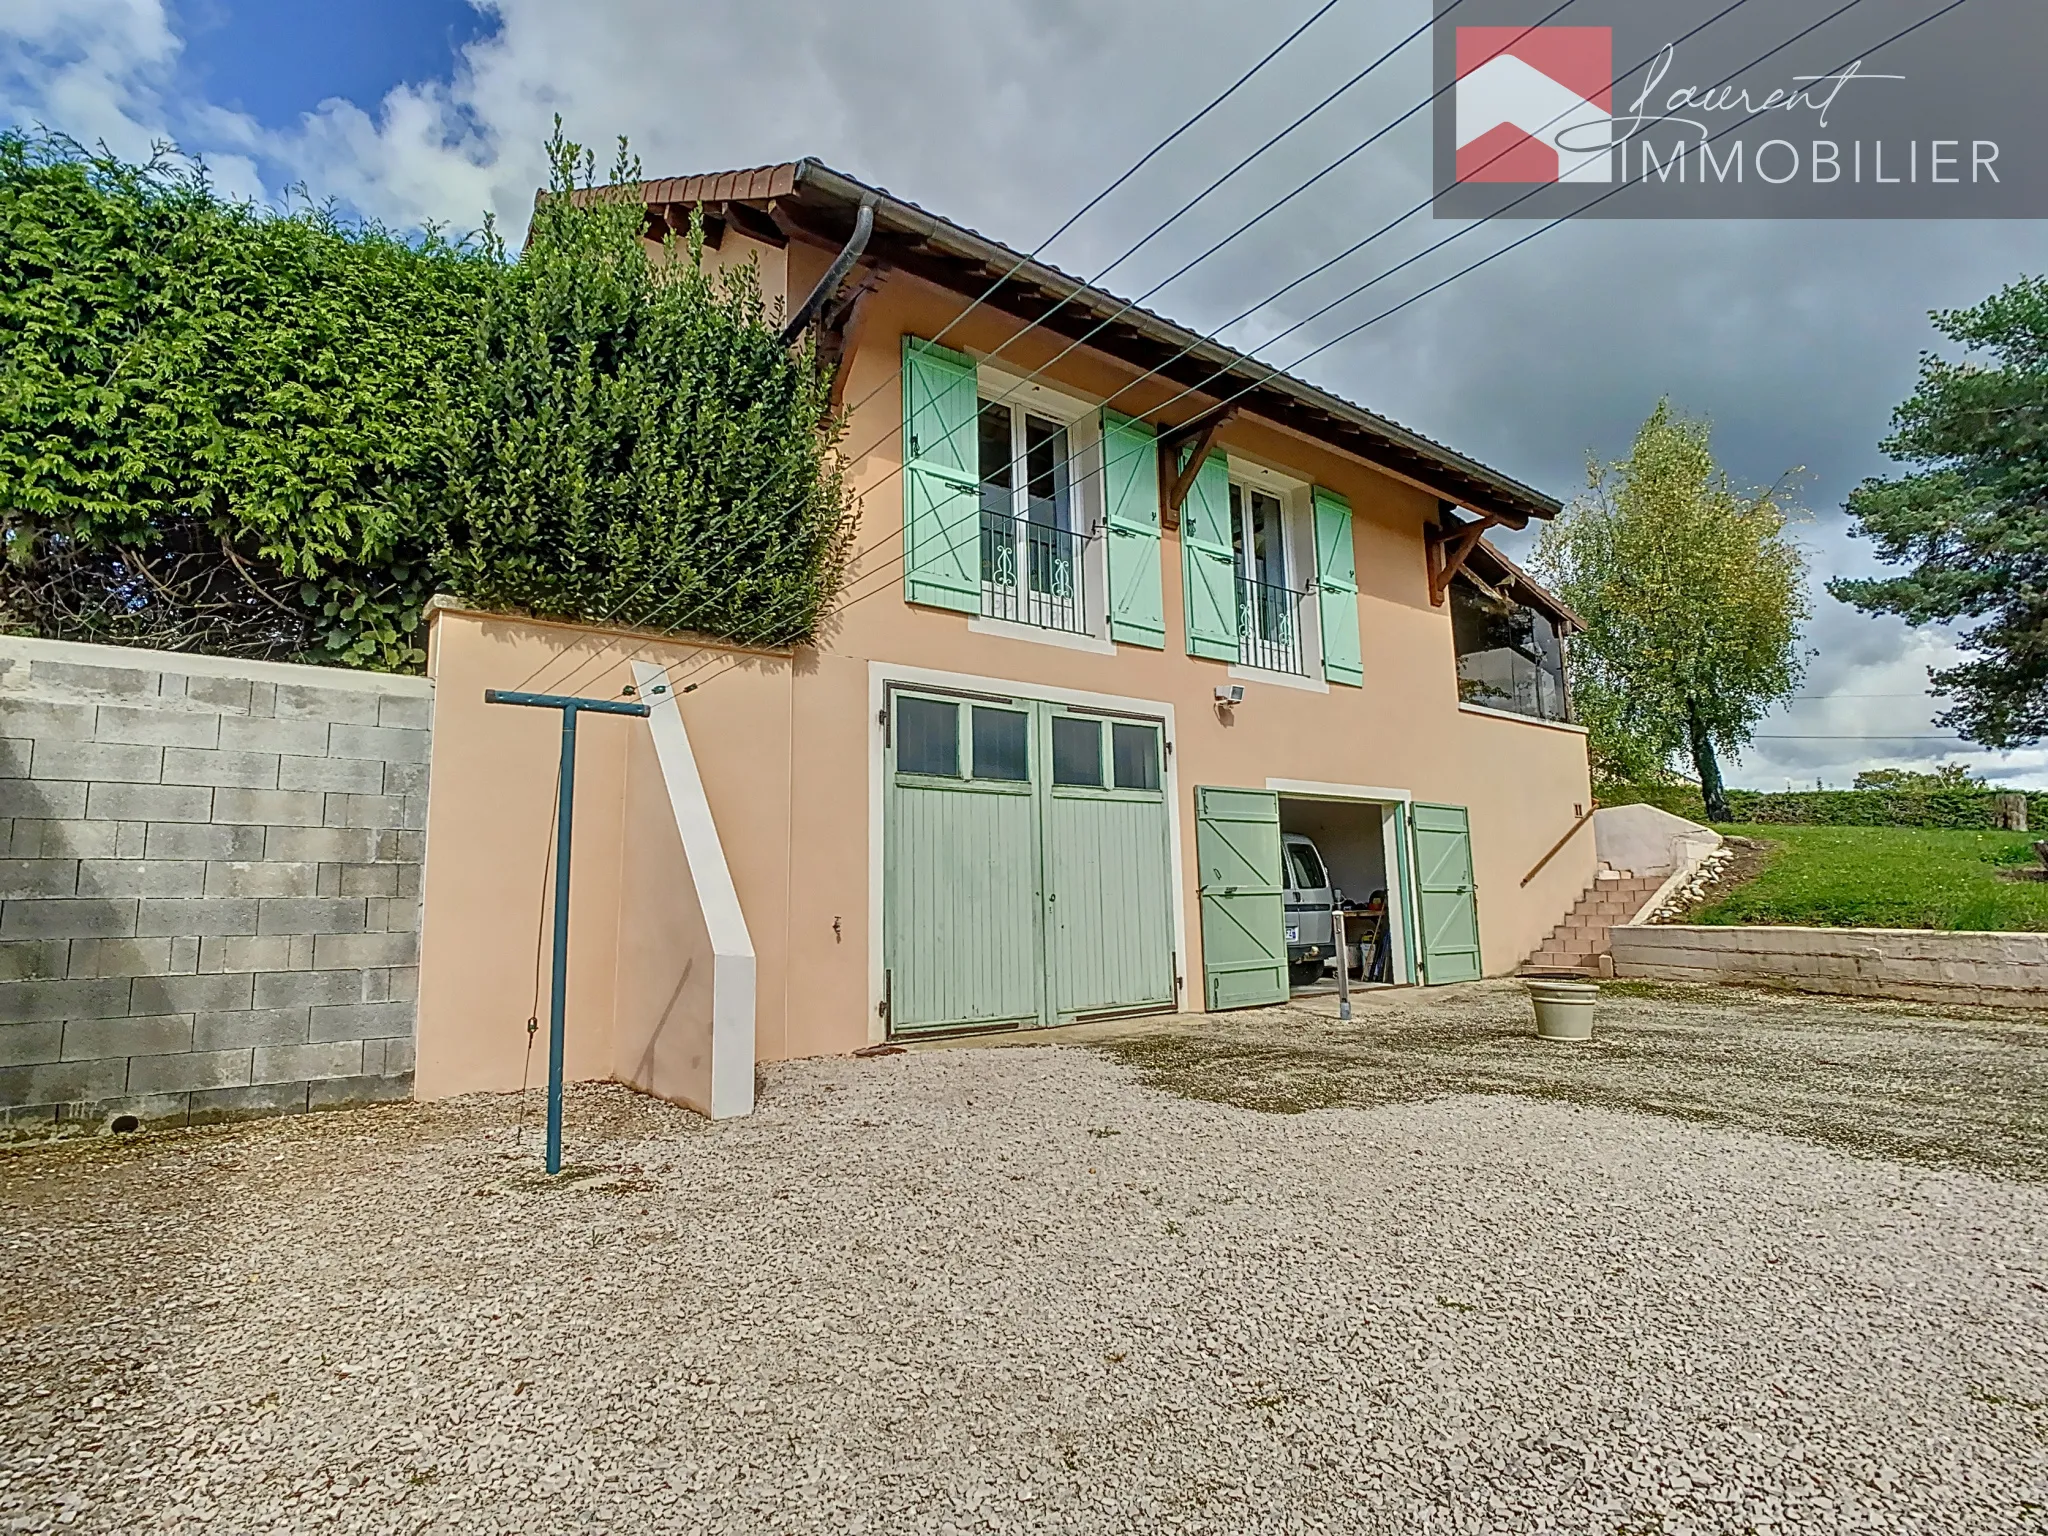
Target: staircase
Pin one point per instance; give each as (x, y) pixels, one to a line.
(1579, 943)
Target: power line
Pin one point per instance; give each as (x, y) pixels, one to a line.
(1127, 305)
(1445, 282)
(857, 555)
(1085, 208)
(1341, 298)
(1409, 261)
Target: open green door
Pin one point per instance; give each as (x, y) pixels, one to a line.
(1445, 893)
(1244, 940)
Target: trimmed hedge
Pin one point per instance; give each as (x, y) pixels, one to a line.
(1955, 808)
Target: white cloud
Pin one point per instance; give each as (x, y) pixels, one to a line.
(101, 71)
(1006, 115)
(90, 68)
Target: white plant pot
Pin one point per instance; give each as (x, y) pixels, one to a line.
(1564, 1009)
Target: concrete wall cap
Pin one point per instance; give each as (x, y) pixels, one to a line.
(124, 658)
(1642, 839)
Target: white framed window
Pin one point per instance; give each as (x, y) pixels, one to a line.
(1039, 564)
(1274, 549)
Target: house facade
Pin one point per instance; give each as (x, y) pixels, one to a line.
(1130, 615)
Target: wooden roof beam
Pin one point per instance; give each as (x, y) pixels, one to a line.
(754, 223)
(676, 218)
(1176, 477)
(1445, 550)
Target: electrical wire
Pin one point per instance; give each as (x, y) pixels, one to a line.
(1409, 261)
(1129, 304)
(1126, 306)
(1073, 219)
(1471, 267)
(540, 930)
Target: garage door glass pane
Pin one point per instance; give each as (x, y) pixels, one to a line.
(1076, 751)
(1001, 749)
(928, 737)
(1135, 750)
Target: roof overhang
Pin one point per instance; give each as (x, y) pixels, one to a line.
(804, 200)
(1488, 566)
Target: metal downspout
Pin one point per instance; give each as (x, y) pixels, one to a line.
(863, 227)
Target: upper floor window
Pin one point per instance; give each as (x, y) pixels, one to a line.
(1031, 549)
(1269, 604)
(1510, 655)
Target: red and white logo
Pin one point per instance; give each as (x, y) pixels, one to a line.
(1535, 103)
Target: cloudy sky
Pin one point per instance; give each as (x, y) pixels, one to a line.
(1797, 339)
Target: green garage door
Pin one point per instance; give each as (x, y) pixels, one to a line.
(1109, 911)
(1445, 893)
(961, 876)
(1027, 873)
(1244, 942)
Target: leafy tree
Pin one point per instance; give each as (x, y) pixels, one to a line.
(276, 435)
(1620, 754)
(1692, 593)
(219, 428)
(636, 443)
(1944, 776)
(1972, 518)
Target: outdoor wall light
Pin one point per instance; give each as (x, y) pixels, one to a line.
(1229, 694)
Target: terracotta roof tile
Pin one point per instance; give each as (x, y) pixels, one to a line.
(760, 183)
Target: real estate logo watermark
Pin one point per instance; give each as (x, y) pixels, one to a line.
(1800, 109)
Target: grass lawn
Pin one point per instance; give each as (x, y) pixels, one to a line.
(1886, 877)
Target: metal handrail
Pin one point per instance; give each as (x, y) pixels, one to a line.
(1269, 626)
(1558, 846)
(1033, 572)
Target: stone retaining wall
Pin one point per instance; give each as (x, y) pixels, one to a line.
(209, 885)
(2000, 970)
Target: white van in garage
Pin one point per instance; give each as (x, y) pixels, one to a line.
(1308, 902)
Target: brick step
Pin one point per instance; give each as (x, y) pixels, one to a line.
(1584, 936)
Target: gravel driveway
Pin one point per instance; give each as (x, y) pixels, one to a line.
(1008, 1290)
(1959, 1088)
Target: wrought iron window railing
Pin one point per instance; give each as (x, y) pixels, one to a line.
(1269, 626)
(1031, 573)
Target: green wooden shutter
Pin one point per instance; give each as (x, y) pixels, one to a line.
(1337, 589)
(1244, 933)
(1130, 478)
(941, 497)
(1208, 569)
(1444, 887)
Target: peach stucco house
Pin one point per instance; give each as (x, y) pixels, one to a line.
(1129, 610)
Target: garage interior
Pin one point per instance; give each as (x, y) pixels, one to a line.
(1354, 840)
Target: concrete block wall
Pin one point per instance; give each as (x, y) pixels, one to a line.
(1998, 970)
(209, 885)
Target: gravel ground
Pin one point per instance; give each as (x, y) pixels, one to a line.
(1946, 1088)
(1010, 1290)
